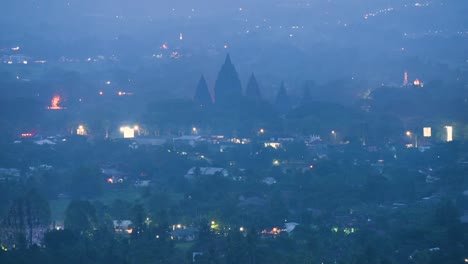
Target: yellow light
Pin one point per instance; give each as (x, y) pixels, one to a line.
(179, 226)
(136, 128)
(408, 133)
(213, 223)
(276, 162)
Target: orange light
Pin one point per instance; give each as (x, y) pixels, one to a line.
(54, 104)
(416, 82)
(110, 180)
(129, 231)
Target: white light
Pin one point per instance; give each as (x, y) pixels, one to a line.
(427, 132)
(128, 132)
(449, 133)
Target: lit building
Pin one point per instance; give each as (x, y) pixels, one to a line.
(417, 82)
(449, 133)
(128, 132)
(274, 145)
(81, 131)
(55, 103)
(427, 132)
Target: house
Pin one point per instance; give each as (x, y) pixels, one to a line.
(206, 171)
(289, 227)
(269, 180)
(9, 174)
(187, 234)
(122, 226)
(251, 202)
(44, 142)
(139, 183)
(150, 141)
(187, 140)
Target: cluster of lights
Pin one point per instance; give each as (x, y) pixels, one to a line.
(274, 145)
(112, 181)
(346, 230)
(427, 133)
(274, 231)
(25, 135)
(240, 140)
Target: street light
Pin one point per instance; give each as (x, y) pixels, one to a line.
(333, 132)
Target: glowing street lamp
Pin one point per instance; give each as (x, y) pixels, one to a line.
(408, 133)
(194, 130)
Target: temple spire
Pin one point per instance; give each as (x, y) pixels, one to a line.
(228, 88)
(202, 93)
(253, 90)
(282, 100)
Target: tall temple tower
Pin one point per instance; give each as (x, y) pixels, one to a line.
(228, 88)
(282, 101)
(253, 90)
(202, 94)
